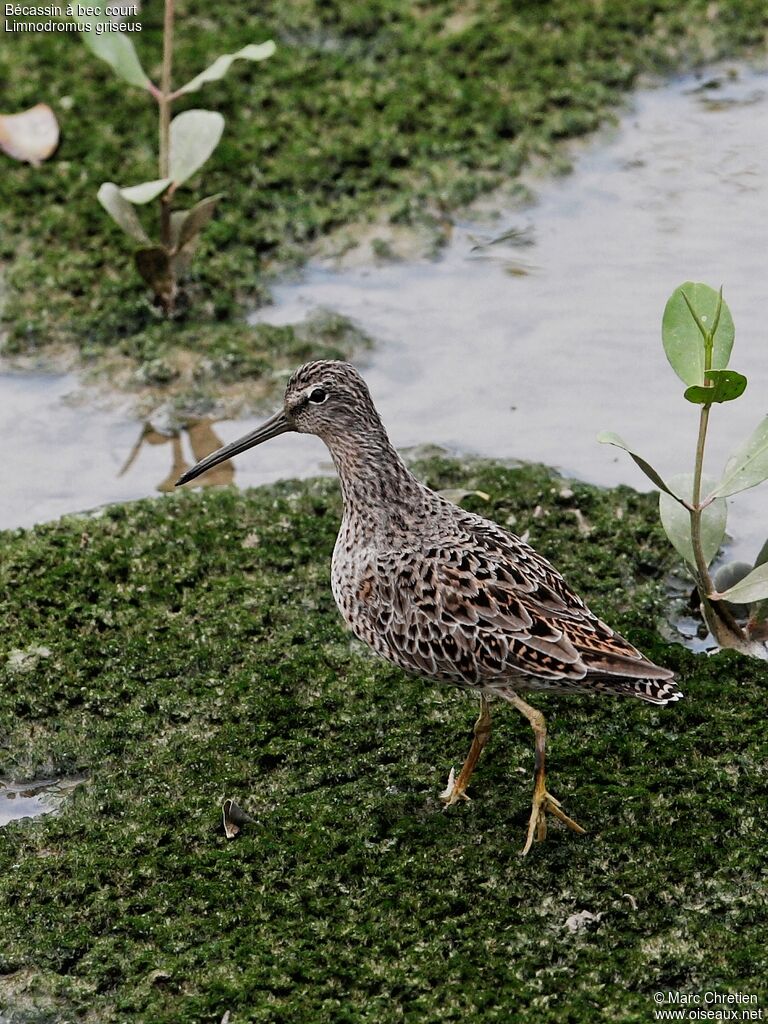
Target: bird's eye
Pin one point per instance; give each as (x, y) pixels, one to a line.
(318, 396)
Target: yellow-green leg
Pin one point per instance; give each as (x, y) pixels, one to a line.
(456, 788)
(542, 800)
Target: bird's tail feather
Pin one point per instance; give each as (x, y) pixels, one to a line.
(654, 691)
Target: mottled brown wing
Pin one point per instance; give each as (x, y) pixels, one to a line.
(484, 607)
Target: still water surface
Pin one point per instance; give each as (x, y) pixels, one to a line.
(32, 799)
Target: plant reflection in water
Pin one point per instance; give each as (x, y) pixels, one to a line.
(203, 440)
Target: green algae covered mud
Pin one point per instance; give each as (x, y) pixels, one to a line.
(393, 110)
(194, 653)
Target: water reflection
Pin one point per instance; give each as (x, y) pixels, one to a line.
(32, 799)
(202, 439)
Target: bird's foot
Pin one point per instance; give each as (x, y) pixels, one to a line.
(544, 802)
(454, 791)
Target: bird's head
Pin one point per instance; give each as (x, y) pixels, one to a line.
(327, 398)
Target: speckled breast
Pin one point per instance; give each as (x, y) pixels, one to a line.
(355, 590)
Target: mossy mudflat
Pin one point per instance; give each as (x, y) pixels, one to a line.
(196, 653)
(409, 110)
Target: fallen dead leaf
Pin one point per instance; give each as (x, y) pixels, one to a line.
(30, 136)
(234, 817)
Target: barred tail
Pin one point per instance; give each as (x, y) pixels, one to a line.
(654, 691)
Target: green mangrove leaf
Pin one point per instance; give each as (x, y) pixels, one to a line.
(117, 50)
(748, 466)
(186, 225)
(676, 520)
(682, 337)
(728, 577)
(726, 386)
(121, 211)
(194, 136)
(146, 191)
(730, 574)
(762, 557)
(221, 65)
(759, 610)
(753, 587)
(608, 437)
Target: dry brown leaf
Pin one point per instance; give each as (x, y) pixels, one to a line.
(234, 817)
(30, 136)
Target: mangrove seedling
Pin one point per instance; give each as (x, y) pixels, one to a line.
(185, 143)
(698, 333)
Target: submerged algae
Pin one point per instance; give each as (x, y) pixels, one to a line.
(196, 653)
(408, 111)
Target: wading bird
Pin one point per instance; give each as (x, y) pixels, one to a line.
(444, 593)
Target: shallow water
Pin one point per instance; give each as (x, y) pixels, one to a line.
(528, 351)
(523, 348)
(32, 799)
(63, 455)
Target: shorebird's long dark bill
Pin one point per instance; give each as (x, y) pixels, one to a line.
(277, 424)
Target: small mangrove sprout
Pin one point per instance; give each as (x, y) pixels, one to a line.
(698, 333)
(185, 143)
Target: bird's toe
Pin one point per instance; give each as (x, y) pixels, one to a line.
(454, 791)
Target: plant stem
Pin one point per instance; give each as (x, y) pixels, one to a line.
(164, 103)
(705, 585)
(705, 580)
